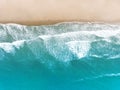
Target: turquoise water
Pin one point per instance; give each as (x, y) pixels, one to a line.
(65, 56)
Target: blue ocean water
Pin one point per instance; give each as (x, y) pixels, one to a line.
(64, 56)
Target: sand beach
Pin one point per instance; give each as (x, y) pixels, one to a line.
(37, 12)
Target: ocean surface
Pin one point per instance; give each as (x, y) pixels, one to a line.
(64, 56)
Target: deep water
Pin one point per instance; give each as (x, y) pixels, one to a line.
(64, 56)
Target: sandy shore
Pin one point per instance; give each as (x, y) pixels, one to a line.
(36, 12)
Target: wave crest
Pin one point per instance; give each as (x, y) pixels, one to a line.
(63, 42)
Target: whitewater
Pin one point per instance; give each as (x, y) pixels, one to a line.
(63, 56)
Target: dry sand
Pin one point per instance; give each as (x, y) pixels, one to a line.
(35, 12)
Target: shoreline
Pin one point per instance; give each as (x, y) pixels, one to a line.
(59, 22)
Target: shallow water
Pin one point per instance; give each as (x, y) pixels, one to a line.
(65, 56)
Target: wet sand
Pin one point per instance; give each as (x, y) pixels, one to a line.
(36, 12)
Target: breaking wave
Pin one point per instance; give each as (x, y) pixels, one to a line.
(63, 42)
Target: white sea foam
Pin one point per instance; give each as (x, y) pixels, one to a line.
(79, 48)
(18, 44)
(100, 76)
(10, 47)
(63, 41)
(83, 35)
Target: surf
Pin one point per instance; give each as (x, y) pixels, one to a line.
(66, 52)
